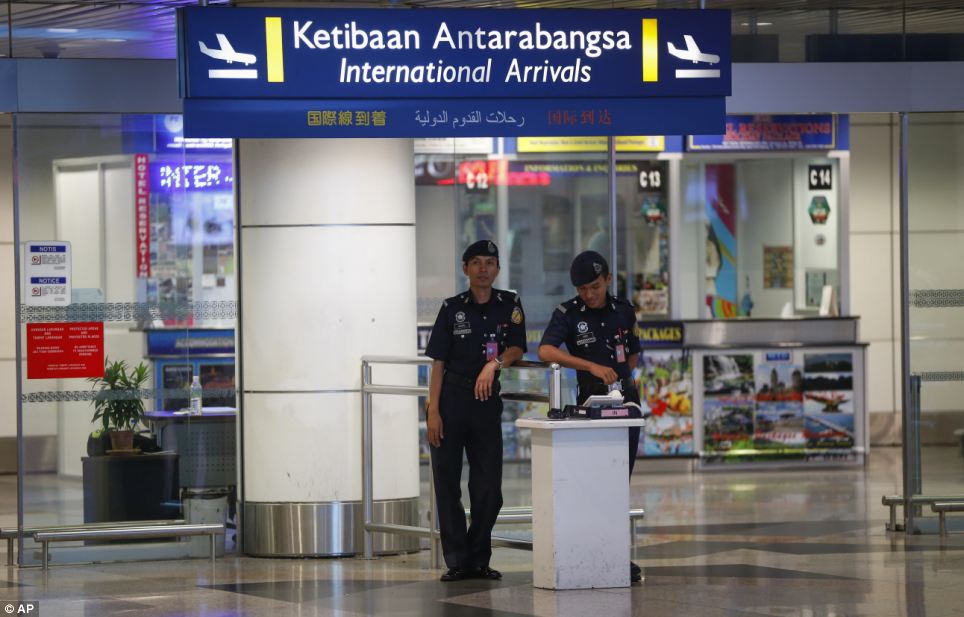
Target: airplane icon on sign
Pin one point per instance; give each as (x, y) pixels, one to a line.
(226, 52)
(691, 53)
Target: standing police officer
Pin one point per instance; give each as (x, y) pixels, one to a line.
(599, 332)
(476, 334)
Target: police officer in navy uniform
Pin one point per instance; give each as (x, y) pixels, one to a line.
(599, 332)
(476, 334)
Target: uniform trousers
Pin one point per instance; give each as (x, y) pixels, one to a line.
(473, 427)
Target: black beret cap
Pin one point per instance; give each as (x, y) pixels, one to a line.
(587, 267)
(485, 248)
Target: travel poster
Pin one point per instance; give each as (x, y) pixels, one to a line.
(728, 406)
(728, 374)
(777, 267)
(665, 380)
(779, 421)
(727, 423)
(721, 244)
(829, 400)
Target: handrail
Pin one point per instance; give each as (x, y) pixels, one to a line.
(128, 533)
(11, 533)
(554, 398)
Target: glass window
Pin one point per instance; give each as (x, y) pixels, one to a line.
(936, 228)
(642, 236)
(762, 235)
(542, 201)
(136, 225)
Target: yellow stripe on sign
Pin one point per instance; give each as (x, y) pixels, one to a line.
(276, 58)
(650, 51)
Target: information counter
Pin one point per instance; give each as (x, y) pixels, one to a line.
(755, 392)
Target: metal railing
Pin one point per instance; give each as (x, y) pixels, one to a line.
(129, 533)
(554, 398)
(913, 499)
(10, 534)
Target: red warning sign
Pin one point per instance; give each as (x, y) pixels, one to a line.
(65, 350)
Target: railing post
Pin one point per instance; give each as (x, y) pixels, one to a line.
(555, 386)
(912, 471)
(367, 497)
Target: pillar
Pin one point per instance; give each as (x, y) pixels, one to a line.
(327, 268)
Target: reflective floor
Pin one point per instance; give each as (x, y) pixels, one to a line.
(808, 543)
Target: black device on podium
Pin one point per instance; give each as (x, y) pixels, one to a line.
(598, 407)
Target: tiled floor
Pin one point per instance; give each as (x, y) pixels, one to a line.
(773, 543)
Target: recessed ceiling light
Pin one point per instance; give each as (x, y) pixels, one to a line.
(63, 30)
(89, 42)
(759, 23)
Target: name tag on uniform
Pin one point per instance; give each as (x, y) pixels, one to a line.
(491, 350)
(620, 353)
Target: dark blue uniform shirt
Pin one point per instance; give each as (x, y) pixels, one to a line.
(594, 335)
(463, 329)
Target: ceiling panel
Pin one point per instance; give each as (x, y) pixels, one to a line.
(146, 28)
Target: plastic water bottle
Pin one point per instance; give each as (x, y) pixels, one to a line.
(196, 396)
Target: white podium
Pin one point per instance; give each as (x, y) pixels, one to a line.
(580, 502)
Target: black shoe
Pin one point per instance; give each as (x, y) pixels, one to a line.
(485, 572)
(635, 573)
(453, 574)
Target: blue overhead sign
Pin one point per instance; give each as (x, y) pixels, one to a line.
(433, 61)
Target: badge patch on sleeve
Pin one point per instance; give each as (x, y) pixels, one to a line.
(517, 315)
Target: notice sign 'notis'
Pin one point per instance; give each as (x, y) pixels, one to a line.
(64, 350)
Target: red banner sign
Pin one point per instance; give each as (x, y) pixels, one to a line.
(142, 220)
(63, 350)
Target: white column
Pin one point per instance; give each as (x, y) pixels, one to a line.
(327, 270)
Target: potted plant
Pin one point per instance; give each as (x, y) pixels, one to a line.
(118, 403)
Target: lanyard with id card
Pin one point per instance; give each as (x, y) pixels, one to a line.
(620, 348)
(492, 347)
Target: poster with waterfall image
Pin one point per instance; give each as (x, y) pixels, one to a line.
(728, 403)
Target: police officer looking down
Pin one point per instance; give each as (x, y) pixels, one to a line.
(599, 332)
(476, 334)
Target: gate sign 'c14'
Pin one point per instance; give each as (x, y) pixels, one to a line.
(230, 53)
